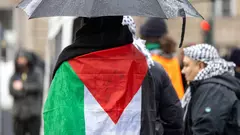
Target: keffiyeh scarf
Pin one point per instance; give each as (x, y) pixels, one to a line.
(209, 55)
(137, 42)
(215, 65)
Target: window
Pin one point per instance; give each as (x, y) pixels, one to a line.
(1, 31)
(6, 17)
(225, 7)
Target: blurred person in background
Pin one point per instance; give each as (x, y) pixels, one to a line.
(235, 57)
(163, 50)
(26, 87)
(213, 94)
(38, 61)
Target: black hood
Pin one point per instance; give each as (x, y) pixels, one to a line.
(227, 80)
(97, 34)
(28, 56)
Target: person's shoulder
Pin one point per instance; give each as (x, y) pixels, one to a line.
(37, 70)
(217, 87)
(159, 73)
(13, 76)
(224, 81)
(157, 67)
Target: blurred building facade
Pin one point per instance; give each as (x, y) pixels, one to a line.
(226, 17)
(19, 32)
(226, 27)
(16, 31)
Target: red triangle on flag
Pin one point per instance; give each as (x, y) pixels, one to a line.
(113, 76)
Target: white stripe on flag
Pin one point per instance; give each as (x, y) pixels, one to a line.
(97, 121)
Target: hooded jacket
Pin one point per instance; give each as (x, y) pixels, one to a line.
(211, 104)
(108, 43)
(27, 102)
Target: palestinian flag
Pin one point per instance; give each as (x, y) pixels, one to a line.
(106, 92)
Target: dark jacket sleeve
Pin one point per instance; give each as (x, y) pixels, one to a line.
(169, 106)
(35, 83)
(13, 92)
(211, 105)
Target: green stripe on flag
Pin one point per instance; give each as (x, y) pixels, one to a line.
(64, 107)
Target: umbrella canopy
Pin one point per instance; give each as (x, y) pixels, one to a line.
(97, 8)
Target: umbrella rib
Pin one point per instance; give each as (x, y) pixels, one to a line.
(36, 7)
(162, 9)
(91, 7)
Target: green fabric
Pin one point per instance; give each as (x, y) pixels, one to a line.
(152, 46)
(64, 108)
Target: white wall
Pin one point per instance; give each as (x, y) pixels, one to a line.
(6, 71)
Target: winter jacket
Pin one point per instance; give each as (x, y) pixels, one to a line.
(172, 67)
(101, 37)
(27, 102)
(170, 112)
(211, 105)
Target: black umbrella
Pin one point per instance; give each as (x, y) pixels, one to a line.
(96, 8)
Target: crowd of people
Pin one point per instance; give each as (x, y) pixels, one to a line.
(196, 94)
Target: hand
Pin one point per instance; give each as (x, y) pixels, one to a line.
(18, 85)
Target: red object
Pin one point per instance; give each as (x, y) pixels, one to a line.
(113, 76)
(205, 25)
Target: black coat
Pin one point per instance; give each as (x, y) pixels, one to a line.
(27, 102)
(170, 112)
(211, 105)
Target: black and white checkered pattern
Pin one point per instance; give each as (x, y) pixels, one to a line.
(209, 55)
(137, 42)
(128, 20)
